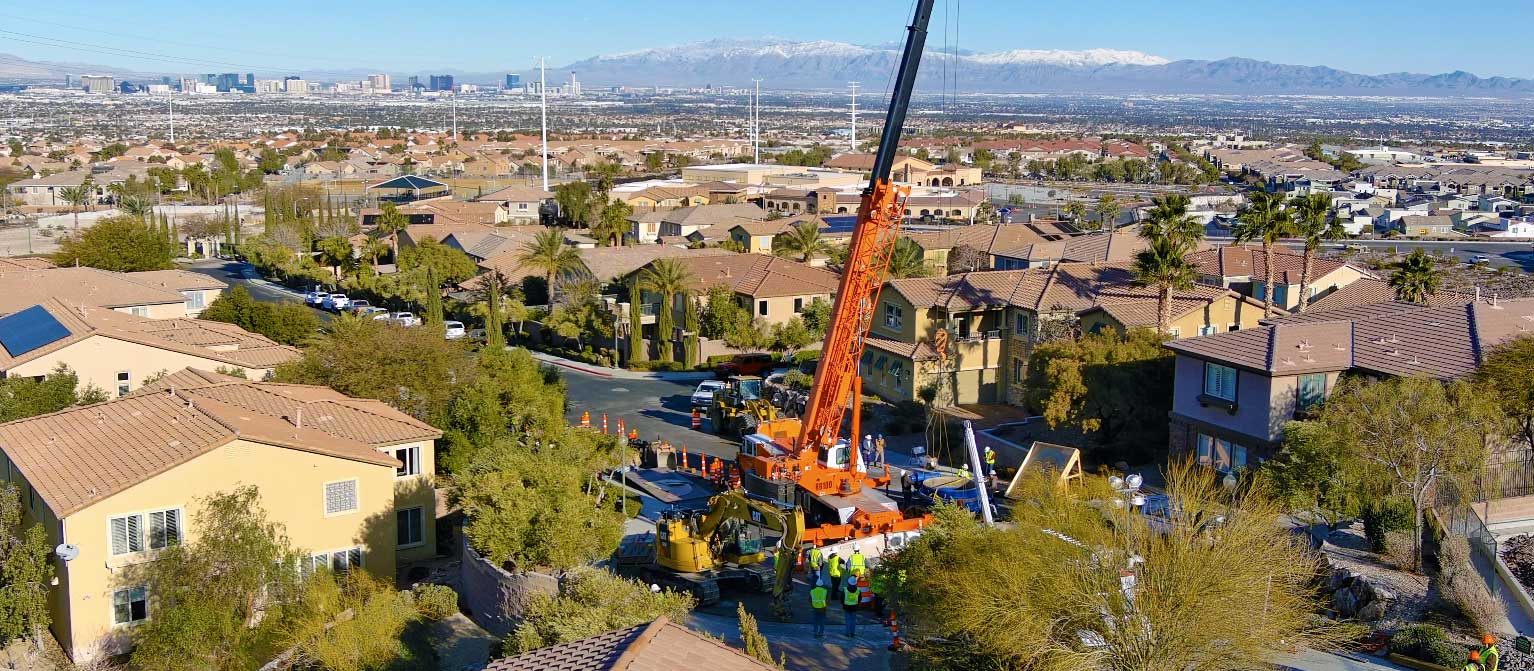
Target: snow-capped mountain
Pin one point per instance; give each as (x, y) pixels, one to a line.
(790, 64)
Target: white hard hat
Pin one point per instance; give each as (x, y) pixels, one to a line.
(867, 435)
(654, 587)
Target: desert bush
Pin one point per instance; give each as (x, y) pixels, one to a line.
(1384, 516)
(1398, 550)
(435, 602)
(1428, 643)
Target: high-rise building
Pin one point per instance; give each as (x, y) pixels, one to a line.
(294, 85)
(415, 83)
(441, 82)
(227, 82)
(513, 81)
(575, 86)
(98, 83)
(250, 79)
(380, 83)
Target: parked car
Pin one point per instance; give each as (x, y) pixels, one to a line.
(405, 319)
(1479, 259)
(315, 296)
(335, 302)
(357, 307)
(703, 396)
(454, 329)
(745, 364)
(373, 312)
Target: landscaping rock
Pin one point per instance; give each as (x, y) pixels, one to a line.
(1373, 611)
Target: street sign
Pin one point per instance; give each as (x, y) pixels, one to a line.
(1522, 644)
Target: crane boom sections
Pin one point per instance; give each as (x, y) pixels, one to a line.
(868, 259)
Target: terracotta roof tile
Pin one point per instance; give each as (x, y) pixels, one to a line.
(1367, 291)
(79, 286)
(660, 645)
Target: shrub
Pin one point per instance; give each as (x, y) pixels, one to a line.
(797, 380)
(1427, 643)
(435, 602)
(1398, 550)
(806, 355)
(659, 366)
(1469, 596)
(1384, 516)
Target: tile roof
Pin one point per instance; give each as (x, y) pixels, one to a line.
(604, 263)
(660, 645)
(1366, 291)
(921, 350)
(214, 341)
(758, 275)
(1390, 339)
(1069, 287)
(514, 194)
(82, 286)
(175, 280)
(78, 456)
(1242, 261)
(24, 263)
(989, 238)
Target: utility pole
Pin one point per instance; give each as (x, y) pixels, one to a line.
(543, 104)
(455, 117)
(172, 103)
(854, 87)
(756, 121)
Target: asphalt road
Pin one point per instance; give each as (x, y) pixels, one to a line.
(657, 408)
(244, 274)
(1520, 254)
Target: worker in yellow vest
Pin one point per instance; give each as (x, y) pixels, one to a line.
(817, 561)
(850, 604)
(818, 595)
(834, 571)
(1475, 662)
(990, 461)
(858, 564)
(1490, 656)
(876, 585)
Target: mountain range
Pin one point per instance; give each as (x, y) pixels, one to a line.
(790, 64)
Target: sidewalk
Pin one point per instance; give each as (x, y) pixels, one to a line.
(1316, 660)
(614, 373)
(801, 650)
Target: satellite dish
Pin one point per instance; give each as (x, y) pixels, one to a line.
(1134, 480)
(66, 552)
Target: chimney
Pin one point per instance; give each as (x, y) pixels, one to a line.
(298, 417)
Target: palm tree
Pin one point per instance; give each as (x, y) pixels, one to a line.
(1077, 211)
(548, 253)
(1415, 278)
(1265, 221)
(666, 277)
(1168, 219)
(137, 206)
(907, 260)
(1165, 266)
(1314, 224)
(374, 249)
(76, 196)
(803, 240)
(390, 223)
(1108, 210)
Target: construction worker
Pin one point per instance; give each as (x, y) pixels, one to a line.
(817, 561)
(1475, 662)
(1490, 656)
(850, 604)
(858, 564)
(868, 448)
(876, 586)
(990, 461)
(834, 571)
(907, 482)
(879, 449)
(818, 595)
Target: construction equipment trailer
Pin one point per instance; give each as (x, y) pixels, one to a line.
(804, 461)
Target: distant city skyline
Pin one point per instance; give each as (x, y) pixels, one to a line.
(1364, 36)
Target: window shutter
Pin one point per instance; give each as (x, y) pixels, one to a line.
(135, 533)
(354, 556)
(172, 527)
(119, 535)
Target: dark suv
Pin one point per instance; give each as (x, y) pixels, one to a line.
(745, 364)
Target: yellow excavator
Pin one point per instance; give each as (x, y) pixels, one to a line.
(701, 551)
(740, 408)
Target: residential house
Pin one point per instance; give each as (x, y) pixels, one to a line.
(1244, 270)
(157, 294)
(117, 352)
(683, 222)
(47, 190)
(774, 290)
(911, 170)
(755, 237)
(1234, 392)
(1371, 291)
(993, 318)
(605, 264)
(1119, 246)
(350, 481)
(1426, 225)
(523, 204)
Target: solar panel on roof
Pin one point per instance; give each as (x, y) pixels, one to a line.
(30, 329)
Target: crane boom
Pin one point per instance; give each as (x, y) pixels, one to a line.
(868, 258)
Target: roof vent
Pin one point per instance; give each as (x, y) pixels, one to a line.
(1338, 347)
(1304, 345)
(1286, 361)
(1392, 352)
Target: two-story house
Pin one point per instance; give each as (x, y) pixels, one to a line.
(156, 294)
(522, 203)
(1244, 269)
(1234, 392)
(774, 290)
(349, 480)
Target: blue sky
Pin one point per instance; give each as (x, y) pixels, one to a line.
(1368, 36)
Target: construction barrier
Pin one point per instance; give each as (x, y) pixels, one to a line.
(620, 428)
(895, 643)
(604, 423)
(586, 420)
(697, 420)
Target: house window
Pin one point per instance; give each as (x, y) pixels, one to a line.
(130, 605)
(1208, 330)
(1312, 390)
(798, 305)
(194, 300)
(410, 461)
(1175, 332)
(124, 382)
(879, 363)
(1220, 381)
(963, 328)
(154, 531)
(410, 526)
(139, 311)
(340, 497)
(897, 369)
(1019, 368)
(761, 308)
(1221, 455)
(339, 561)
(1020, 324)
(893, 316)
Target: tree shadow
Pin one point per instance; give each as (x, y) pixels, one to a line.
(380, 534)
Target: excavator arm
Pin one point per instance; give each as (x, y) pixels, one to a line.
(737, 505)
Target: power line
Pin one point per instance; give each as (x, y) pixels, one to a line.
(142, 37)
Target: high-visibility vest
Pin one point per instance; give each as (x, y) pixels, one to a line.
(818, 597)
(836, 566)
(1490, 656)
(858, 562)
(816, 559)
(1471, 666)
(990, 457)
(850, 592)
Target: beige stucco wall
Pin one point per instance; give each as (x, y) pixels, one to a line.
(161, 310)
(291, 483)
(1225, 314)
(98, 359)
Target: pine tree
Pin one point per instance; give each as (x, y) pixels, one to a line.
(755, 642)
(433, 315)
(495, 337)
(690, 325)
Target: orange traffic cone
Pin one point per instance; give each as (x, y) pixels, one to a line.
(620, 428)
(683, 462)
(895, 643)
(586, 419)
(697, 420)
(604, 423)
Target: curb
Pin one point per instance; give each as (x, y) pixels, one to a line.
(614, 373)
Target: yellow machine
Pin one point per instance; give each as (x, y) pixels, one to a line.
(699, 551)
(739, 408)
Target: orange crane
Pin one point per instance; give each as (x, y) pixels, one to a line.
(805, 461)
